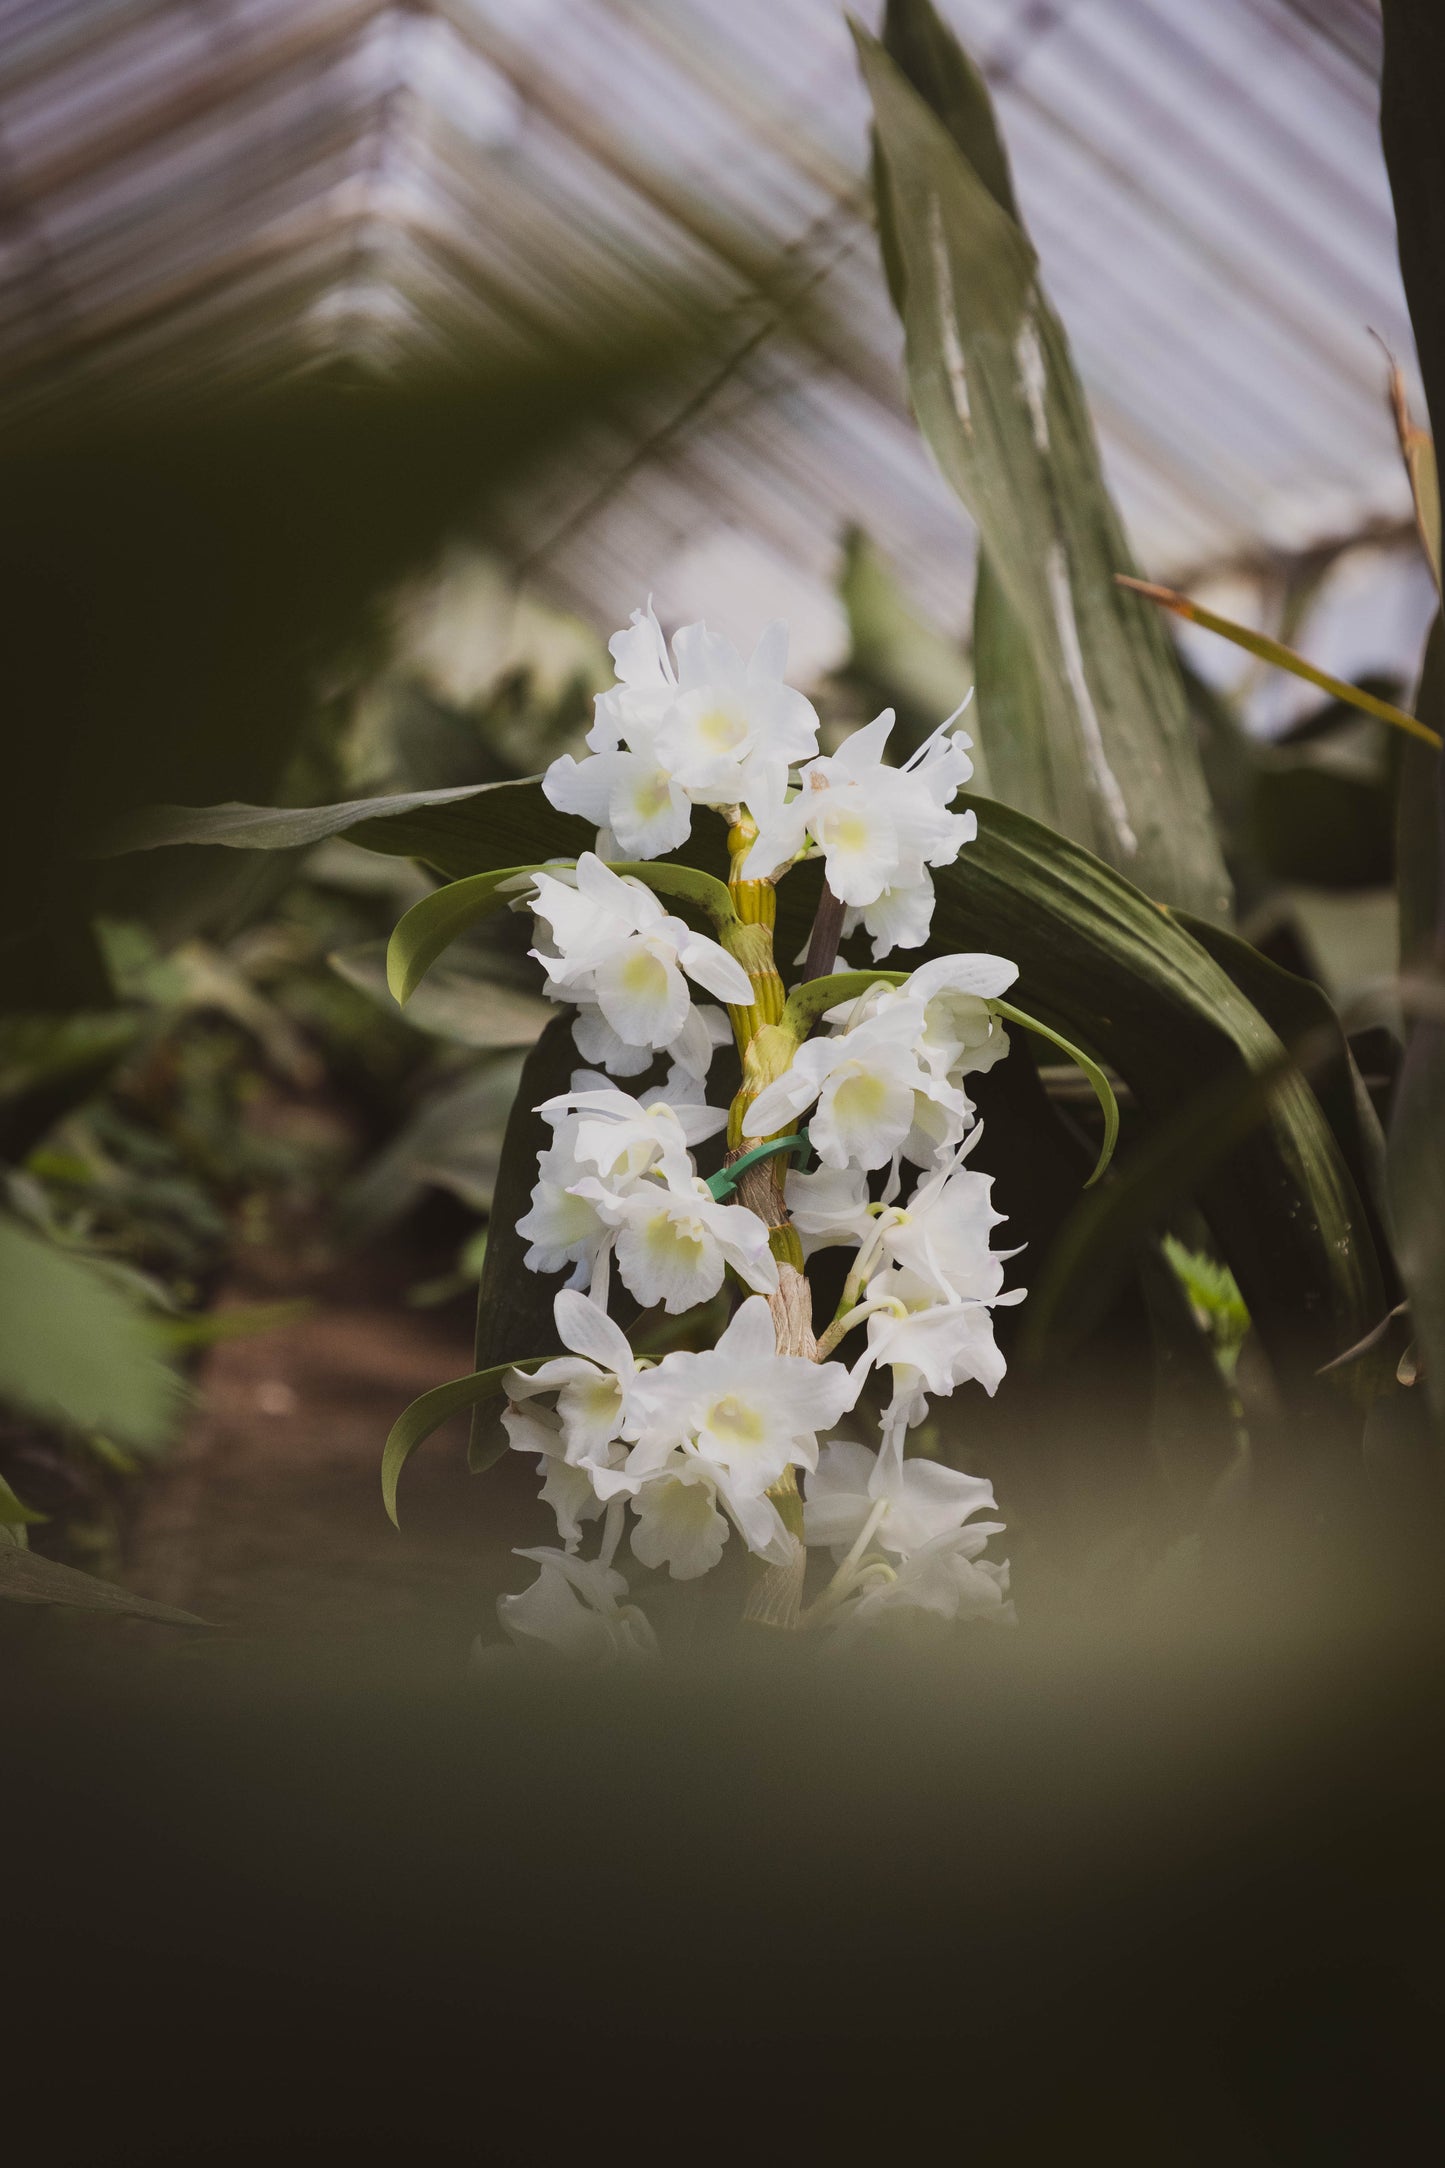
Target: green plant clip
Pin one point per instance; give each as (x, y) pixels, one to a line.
(725, 1181)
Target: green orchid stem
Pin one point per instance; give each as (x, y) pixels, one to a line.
(726, 1179)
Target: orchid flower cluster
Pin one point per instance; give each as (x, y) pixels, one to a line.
(762, 1439)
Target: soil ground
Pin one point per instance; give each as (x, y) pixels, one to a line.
(268, 1522)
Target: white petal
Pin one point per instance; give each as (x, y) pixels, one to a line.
(582, 787)
(589, 1331)
(749, 1335)
(862, 750)
(595, 1040)
(711, 966)
(863, 1116)
(779, 1103)
(642, 994)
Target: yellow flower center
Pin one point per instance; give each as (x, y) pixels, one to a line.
(722, 728)
(735, 1422)
(859, 1098)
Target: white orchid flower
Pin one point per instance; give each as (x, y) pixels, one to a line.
(618, 1135)
(961, 1036)
(730, 720)
(879, 828)
(942, 1238)
(828, 1207)
(865, 1083)
(673, 1245)
(616, 946)
(903, 1504)
(679, 1525)
(624, 786)
(562, 1226)
(575, 1608)
(740, 1406)
(931, 1346)
(592, 1383)
(567, 1488)
(704, 730)
(691, 1053)
(946, 1577)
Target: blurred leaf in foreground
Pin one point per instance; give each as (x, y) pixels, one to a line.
(73, 1349)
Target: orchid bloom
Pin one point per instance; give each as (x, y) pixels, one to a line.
(574, 1609)
(705, 729)
(592, 1383)
(615, 945)
(741, 1406)
(866, 1083)
(735, 728)
(673, 1245)
(879, 828)
(903, 1504)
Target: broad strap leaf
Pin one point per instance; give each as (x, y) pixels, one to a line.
(1112, 759)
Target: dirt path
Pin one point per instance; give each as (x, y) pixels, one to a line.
(268, 1521)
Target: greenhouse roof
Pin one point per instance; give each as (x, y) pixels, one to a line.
(229, 192)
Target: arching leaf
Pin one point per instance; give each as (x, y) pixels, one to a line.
(430, 1412)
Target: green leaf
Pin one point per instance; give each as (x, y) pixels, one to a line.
(514, 1306)
(1410, 131)
(467, 1006)
(74, 1349)
(813, 999)
(1417, 818)
(27, 1578)
(1105, 1235)
(1417, 449)
(1112, 759)
(1102, 1088)
(1303, 1017)
(431, 925)
(13, 1513)
(925, 50)
(240, 827)
(1282, 657)
(1109, 968)
(431, 1411)
(1416, 1150)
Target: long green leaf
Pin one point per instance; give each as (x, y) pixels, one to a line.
(25, 1577)
(431, 1411)
(1282, 657)
(75, 1350)
(514, 1306)
(465, 1002)
(240, 827)
(1113, 762)
(1416, 1150)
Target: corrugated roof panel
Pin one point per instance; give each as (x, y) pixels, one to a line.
(211, 193)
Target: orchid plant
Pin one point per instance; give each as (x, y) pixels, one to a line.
(762, 1439)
